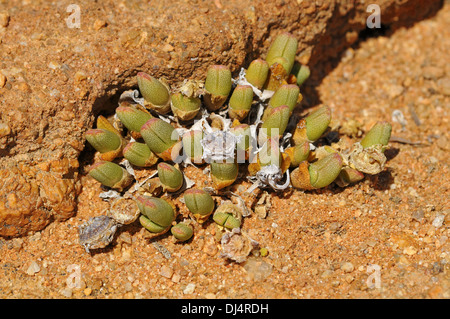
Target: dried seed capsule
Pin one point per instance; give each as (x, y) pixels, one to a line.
(157, 214)
(183, 107)
(155, 93)
(240, 102)
(103, 140)
(298, 153)
(182, 231)
(228, 215)
(192, 146)
(301, 73)
(139, 154)
(123, 210)
(380, 133)
(275, 123)
(369, 160)
(111, 174)
(288, 94)
(132, 117)
(313, 126)
(217, 86)
(284, 46)
(223, 174)
(257, 73)
(171, 178)
(349, 176)
(317, 175)
(199, 203)
(158, 135)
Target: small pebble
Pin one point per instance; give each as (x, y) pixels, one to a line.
(166, 272)
(257, 269)
(189, 289)
(99, 24)
(326, 274)
(347, 267)
(87, 291)
(418, 215)
(438, 221)
(66, 292)
(33, 268)
(4, 19)
(2, 80)
(410, 251)
(432, 72)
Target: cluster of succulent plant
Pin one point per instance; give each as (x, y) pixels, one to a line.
(226, 124)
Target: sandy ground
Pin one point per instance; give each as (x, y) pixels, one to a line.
(386, 237)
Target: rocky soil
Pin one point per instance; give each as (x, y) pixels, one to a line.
(385, 237)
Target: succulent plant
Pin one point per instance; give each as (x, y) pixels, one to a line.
(139, 154)
(182, 231)
(287, 94)
(270, 153)
(217, 86)
(243, 132)
(224, 140)
(158, 135)
(157, 214)
(349, 176)
(257, 73)
(155, 93)
(313, 126)
(111, 175)
(223, 174)
(133, 117)
(298, 153)
(380, 133)
(318, 174)
(103, 140)
(282, 51)
(228, 215)
(275, 123)
(183, 107)
(301, 73)
(171, 177)
(200, 203)
(192, 146)
(240, 102)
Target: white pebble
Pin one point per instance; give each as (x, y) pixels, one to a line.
(189, 289)
(438, 221)
(33, 268)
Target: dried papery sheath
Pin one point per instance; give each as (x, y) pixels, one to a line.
(98, 232)
(269, 176)
(131, 96)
